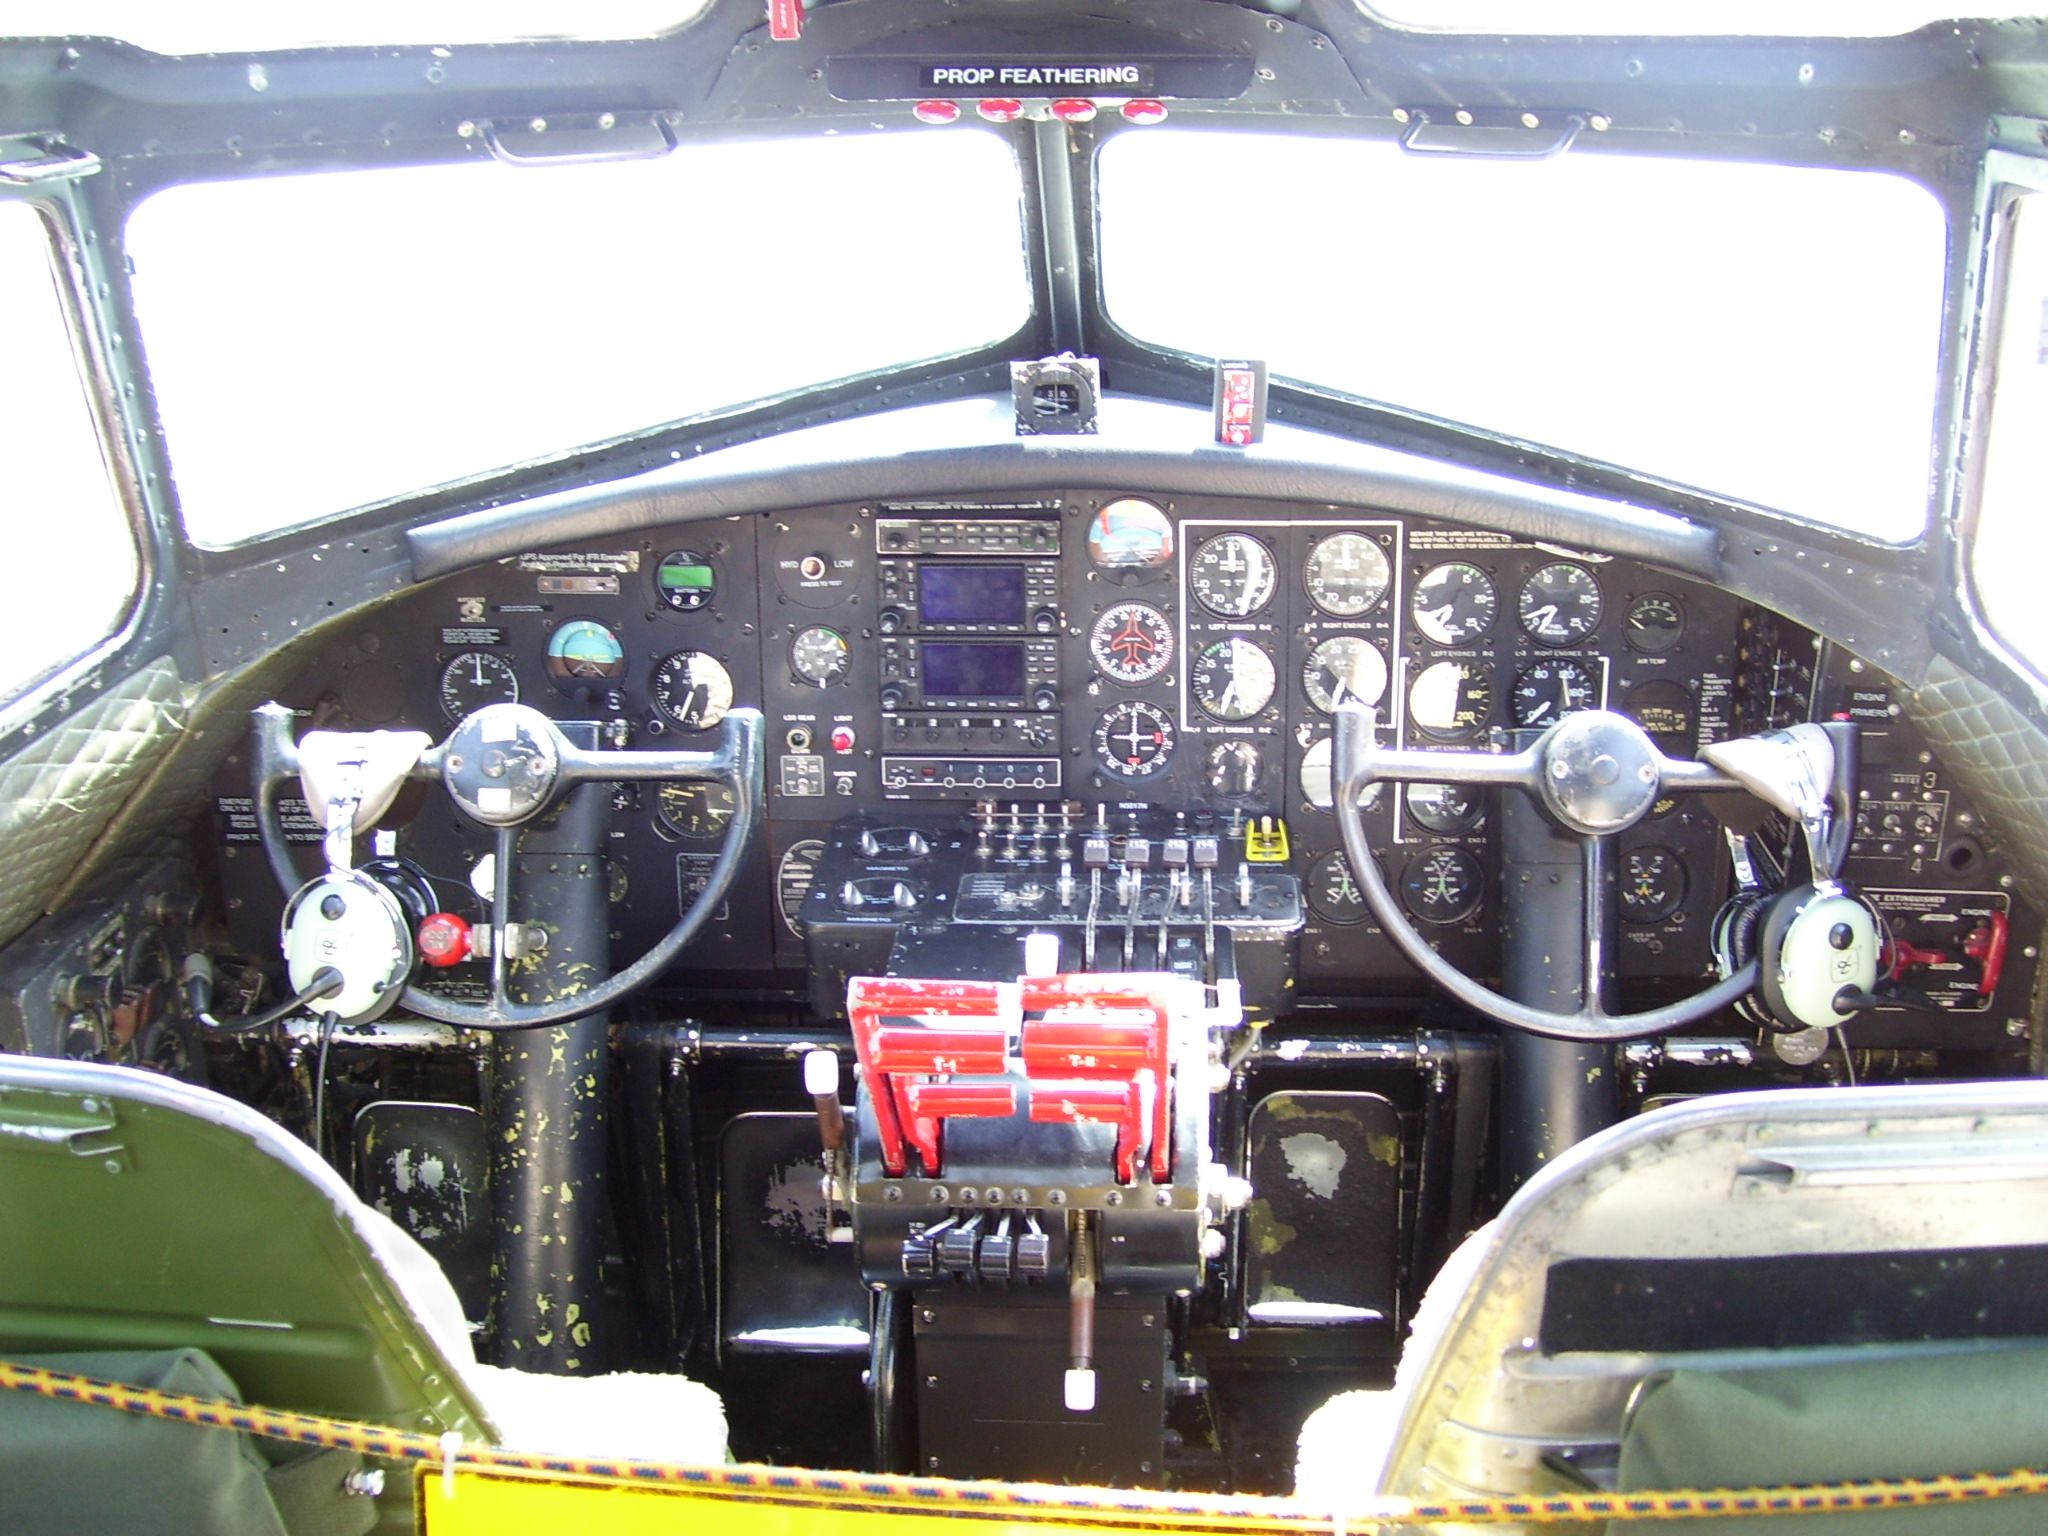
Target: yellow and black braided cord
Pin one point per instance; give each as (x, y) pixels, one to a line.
(1034, 1502)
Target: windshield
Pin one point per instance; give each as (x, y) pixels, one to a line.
(321, 342)
(1766, 333)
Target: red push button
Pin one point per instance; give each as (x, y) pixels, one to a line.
(842, 739)
(444, 940)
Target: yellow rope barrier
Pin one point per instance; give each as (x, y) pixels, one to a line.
(1035, 1502)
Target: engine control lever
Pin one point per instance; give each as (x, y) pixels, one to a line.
(1079, 1383)
(821, 1082)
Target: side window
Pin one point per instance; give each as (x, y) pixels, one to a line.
(2012, 489)
(70, 554)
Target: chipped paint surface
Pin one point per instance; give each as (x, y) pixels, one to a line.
(1314, 1160)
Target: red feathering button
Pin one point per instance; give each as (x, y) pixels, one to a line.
(444, 940)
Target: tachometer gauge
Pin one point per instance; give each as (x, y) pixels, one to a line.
(1131, 643)
(474, 679)
(584, 651)
(1654, 624)
(1560, 604)
(1652, 885)
(1443, 886)
(693, 689)
(1332, 893)
(1347, 574)
(1134, 741)
(1446, 809)
(1233, 575)
(1454, 603)
(1233, 679)
(793, 877)
(1344, 669)
(1551, 689)
(819, 656)
(685, 581)
(1450, 699)
(1129, 535)
(696, 811)
(1664, 709)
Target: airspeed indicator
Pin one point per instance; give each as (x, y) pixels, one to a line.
(693, 689)
(474, 679)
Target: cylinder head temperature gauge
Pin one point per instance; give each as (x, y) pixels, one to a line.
(693, 689)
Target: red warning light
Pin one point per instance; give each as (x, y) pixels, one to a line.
(1073, 109)
(1144, 111)
(1001, 109)
(936, 111)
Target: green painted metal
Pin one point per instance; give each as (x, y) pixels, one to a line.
(133, 1218)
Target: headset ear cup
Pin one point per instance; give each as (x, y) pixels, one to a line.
(1734, 940)
(1775, 919)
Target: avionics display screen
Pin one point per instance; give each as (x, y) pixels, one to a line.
(955, 669)
(970, 594)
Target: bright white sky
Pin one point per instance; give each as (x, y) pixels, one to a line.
(1769, 333)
